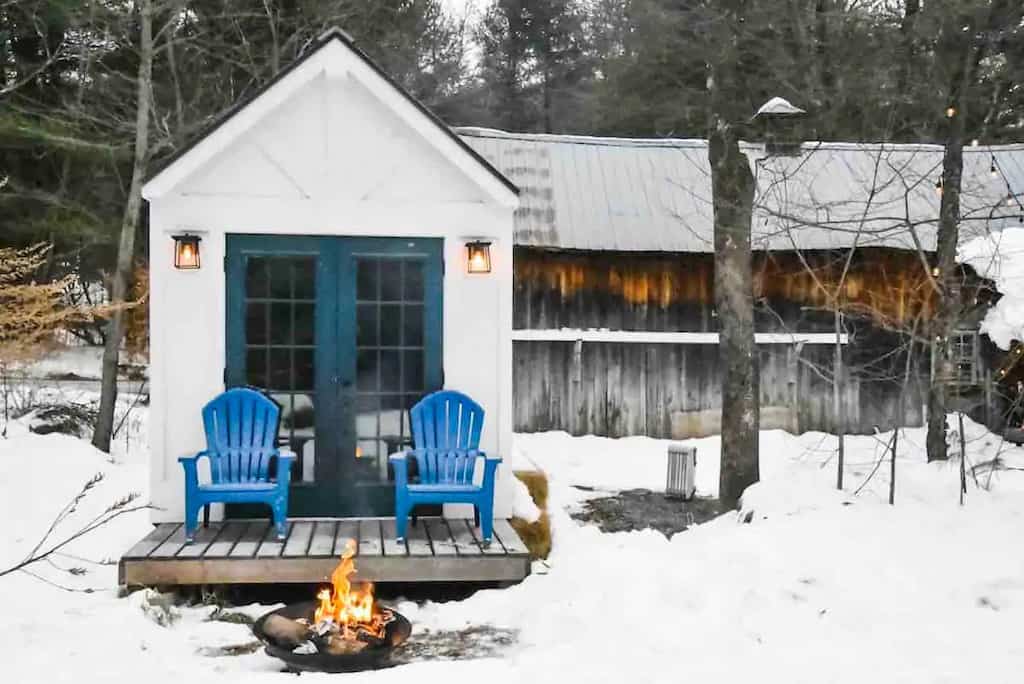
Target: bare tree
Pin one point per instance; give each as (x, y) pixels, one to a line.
(732, 190)
(967, 34)
(129, 226)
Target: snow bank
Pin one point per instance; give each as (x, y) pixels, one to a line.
(43, 473)
(1000, 257)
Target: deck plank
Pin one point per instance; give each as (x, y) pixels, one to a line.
(271, 547)
(171, 545)
(226, 540)
(151, 541)
(299, 539)
(204, 537)
(417, 541)
(369, 538)
(392, 547)
(347, 529)
(440, 537)
(508, 537)
(250, 540)
(465, 542)
(493, 549)
(322, 543)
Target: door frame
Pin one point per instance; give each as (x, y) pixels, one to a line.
(334, 491)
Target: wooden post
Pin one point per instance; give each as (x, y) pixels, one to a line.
(793, 363)
(892, 468)
(837, 396)
(963, 457)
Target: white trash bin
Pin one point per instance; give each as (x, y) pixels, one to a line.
(680, 482)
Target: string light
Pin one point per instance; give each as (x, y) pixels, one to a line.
(950, 112)
(1011, 199)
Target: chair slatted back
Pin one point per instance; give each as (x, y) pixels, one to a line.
(241, 435)
(446, 427)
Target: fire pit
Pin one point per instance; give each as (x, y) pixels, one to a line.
(344, 630)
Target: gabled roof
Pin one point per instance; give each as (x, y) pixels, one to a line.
(332, 35)
(628, 194)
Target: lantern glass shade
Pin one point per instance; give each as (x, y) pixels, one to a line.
(186, 252)
(478, 257)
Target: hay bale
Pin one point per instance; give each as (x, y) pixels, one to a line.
(536, 535)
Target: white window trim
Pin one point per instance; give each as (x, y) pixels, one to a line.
(653, 337)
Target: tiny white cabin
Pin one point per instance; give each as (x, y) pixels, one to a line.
(333, 213)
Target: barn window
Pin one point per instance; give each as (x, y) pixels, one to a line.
(964, 354)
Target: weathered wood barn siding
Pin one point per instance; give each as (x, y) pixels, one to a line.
(674, 390)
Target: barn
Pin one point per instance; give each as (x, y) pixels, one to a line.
(615, 326)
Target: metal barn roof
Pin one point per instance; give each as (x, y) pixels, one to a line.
(628, 194)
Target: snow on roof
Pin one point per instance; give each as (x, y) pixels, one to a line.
(579, 192)
(779, 105)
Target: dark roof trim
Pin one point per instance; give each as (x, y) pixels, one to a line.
(329, 35)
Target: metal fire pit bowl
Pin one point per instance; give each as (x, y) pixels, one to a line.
(373, 657)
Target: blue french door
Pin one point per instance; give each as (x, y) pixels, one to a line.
(345, 334)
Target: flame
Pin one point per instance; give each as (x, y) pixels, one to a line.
(350, 608)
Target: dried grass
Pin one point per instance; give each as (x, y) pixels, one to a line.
(536, 535)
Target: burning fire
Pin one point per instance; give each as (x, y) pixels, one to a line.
(346, 608)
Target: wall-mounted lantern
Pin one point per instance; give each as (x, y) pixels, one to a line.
(186, 251)
(478, 257)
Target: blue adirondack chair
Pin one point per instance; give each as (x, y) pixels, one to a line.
(241, 439)
(446, 429)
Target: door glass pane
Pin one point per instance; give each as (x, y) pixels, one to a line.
(413, 281)
(412, 325)
(280, 356)
(389, 358)
(366, 325)
(256, 323)
(390, 325)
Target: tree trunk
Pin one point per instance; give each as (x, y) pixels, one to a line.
(129, 225)
(823, 53)
(732, 188)
(964, 59)
(547, 100)
(906, 71)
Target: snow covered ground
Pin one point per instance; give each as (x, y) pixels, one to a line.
(821, 586)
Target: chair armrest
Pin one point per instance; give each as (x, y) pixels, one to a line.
(400, 464)
(194, 458)
(486, 457)
(285, 459)
(191, 466)
(490, 468)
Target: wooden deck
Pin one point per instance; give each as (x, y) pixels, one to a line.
(247, 552)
